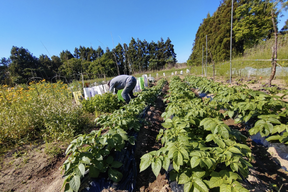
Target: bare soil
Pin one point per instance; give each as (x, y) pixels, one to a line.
(146, 142)
(32, 169)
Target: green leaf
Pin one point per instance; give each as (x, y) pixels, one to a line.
(184, 153)
(85, 160)
(183, 179)
(81, 167)
(146, 161)
(274, 120)
(178, 158)
(234, 167)
(67, 188)
(116, 164)
(219, 142)
(166, 125)
(230, 114)
(246, 118)
(187, 186)
(156, 166)
(166, 163)
(274, 137)
(109, 160)
(224, 131)
(235, 150)
(208, 162)
(198, 174)
(215, 182)
(194, 161)
(225, 188)
(93, 172)
(114, 175)
(75, 183)
(209, 137)
(200, 185)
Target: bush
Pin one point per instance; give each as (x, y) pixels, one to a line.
(40, 110)
(106, 103)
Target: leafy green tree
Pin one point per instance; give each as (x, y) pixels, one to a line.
(249, 20)
(132, 54)
(46, 67)
(284, 28)
(4, 74)
(56, 63)
(170, 55)
(119, 54)
(71, 68)
(146, 56)
(76, 53)
(127, 62)
(99, 52)
(140, 55)
(253, 23)
(161, 54)
(66, 55)
(23, 65)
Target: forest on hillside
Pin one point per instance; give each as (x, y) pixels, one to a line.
(138, 56)
(252, 24)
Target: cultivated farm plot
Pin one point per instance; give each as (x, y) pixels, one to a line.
(183, 142)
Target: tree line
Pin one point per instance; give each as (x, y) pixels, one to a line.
(138, 56)
(252, 23)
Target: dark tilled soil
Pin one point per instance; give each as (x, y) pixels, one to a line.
(266, 174)
(146, 142)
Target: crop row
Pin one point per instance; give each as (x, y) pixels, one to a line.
(94, 151)
(263, 113)
(203, 151)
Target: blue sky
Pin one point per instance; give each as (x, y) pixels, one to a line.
(49, 27)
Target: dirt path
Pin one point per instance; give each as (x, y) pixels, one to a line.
(146, 180)
(32, 169)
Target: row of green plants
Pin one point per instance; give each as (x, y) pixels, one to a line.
(94, 151)
(263, 113)
(39, 110)
(105, 103)
(203, 152)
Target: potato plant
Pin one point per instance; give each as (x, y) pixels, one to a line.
(94, 151)
(265, 113)
(204, 152)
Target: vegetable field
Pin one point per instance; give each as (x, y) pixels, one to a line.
(190, 134)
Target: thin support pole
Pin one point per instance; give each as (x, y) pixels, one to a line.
(206, 58)
(231, 43)
(202, 60)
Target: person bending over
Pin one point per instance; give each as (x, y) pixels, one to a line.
(125, 82)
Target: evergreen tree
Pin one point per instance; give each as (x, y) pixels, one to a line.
(119, 53)
(23, 65)
(132, 54)
(248, 21)
(99, 52)
(66, 55)
(126, 60)
(146, 56)
(4, 74)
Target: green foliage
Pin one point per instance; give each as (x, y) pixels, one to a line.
(198, 143)
(251, 24)
(246, 105)
(106, 103)
(254, 23)
(94, 151)
(40, 110)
